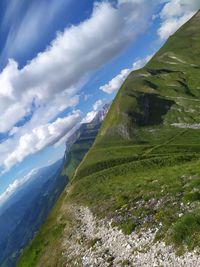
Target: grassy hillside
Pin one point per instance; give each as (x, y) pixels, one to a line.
(143, 170)
(45, 249)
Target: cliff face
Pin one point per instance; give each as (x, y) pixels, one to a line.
(81, 141)
(140, 180)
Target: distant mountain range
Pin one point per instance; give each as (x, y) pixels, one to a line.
(25, 211)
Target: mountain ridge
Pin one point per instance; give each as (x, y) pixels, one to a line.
(145, 78)
(140, 180)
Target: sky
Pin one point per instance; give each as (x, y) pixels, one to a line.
(61, 61)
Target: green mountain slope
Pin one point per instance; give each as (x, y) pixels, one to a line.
(148, 148)
(45, 249)
(165, 91)
(143, 171)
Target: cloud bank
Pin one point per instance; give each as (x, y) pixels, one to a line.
(32, 98)
(40, 137)
(65, 62)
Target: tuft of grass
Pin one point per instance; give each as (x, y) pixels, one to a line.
(128, 227)
(186, 230)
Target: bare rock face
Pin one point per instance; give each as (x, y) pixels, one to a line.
(101, 114)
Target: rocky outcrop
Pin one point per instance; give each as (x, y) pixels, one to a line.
(95, 242)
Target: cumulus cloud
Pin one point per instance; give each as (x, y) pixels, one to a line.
(174, 14)
(50, 82)
(40, 137)
(97, 104)
(91, 115)
(118, 80)
(65, 61)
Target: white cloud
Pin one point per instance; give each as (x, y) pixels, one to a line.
(65, 138)
(91, 115)
(97, 104)
(40, 137)
(50, 83)
(87, 96)
(174, 14)
(118, 80)
(140, 63)
(12, 188)
(65, 61)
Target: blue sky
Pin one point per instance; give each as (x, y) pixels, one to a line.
(61, 61)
